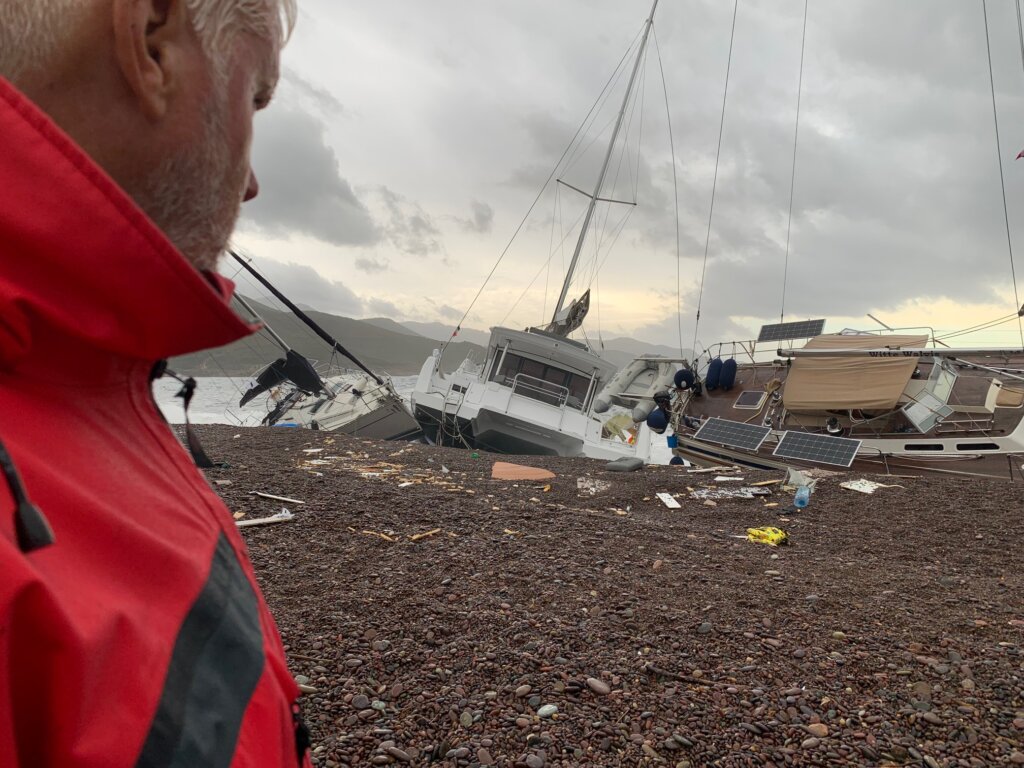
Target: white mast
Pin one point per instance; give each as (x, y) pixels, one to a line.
(604, 168)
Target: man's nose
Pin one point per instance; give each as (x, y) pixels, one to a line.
(252, 188)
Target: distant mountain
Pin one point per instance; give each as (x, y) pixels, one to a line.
(442, 332)
(380, 343)
(390, 325)
(398, 352)
(620, 351)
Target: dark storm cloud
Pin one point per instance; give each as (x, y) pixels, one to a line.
(301, 187)
(482, 219)
(408, 227)
(304, 286)
(450, 312)
(896, 191)
(371, 266)
(896, 184)
(384, 308)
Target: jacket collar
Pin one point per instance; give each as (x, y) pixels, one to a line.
(84, 270)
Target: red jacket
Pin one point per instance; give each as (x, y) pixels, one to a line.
(139, 637)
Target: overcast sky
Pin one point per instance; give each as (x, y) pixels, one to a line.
(408, 140)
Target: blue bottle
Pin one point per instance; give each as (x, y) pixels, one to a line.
(802, 497)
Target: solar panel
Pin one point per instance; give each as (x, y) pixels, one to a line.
(751, 398)
(803, 329)
(732, 433)
(824, 449)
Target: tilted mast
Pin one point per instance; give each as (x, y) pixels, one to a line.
(604, 169)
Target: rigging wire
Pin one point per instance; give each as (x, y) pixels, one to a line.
(551, 250)
(603, 98)
(714, 183)
(542, 267)
(599, 261)
(792, 177)
(1002, 179)
(998, 154)
(675, 193)
(976, 328)
(618, 232)
(1020, 34)
(533, 205)
(602, 228)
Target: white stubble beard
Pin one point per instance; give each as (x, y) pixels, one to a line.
(195, 196)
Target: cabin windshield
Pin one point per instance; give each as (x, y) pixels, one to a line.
(542, 381)
(941, 381)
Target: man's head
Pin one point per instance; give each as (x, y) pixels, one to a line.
(161, 94)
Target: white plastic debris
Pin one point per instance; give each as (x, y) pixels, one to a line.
(668, 500)
(795, 479)
(590, 486)
(272, 497)
(865, 486)
(746, 492)
(281, 517)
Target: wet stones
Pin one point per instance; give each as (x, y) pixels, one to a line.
(706, 668)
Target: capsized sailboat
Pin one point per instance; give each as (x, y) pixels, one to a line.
(358, 402)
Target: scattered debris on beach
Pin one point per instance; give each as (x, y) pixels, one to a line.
(450, 618)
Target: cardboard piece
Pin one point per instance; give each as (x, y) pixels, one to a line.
(502, 470)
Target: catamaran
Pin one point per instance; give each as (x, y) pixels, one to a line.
(536, 390)
(876, 402)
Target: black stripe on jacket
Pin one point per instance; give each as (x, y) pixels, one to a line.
(217, 661)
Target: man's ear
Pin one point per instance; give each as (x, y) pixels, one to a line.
(150, 38)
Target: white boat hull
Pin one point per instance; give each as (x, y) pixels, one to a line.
(357, 406)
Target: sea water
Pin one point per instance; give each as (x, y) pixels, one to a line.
(216, 400)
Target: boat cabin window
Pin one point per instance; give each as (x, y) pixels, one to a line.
(941, 382)
(543, 382)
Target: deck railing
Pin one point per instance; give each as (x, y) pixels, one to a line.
(539, 389)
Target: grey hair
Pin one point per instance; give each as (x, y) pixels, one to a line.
(215, 21)
(31, 31)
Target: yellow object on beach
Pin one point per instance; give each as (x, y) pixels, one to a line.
(767, 535)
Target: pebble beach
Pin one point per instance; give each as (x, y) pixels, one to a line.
(436, 616)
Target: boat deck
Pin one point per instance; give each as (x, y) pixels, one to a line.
(980, 410)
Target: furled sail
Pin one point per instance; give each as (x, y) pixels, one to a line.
(570, 318)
